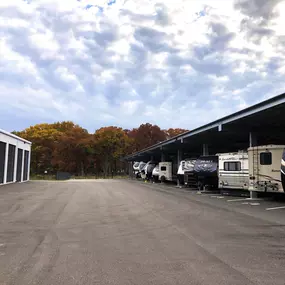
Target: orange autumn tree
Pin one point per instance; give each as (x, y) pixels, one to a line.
(74, 151)
(65, 146)
(146, 135)
(60, 146)
(170, 133)
(43, 138)
(111, 143)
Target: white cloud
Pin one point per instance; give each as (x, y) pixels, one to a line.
(125, 62)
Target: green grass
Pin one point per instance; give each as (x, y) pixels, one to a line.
(99, 177)
(42, 177)
(53, 177)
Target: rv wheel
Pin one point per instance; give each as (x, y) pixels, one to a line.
(162, 179)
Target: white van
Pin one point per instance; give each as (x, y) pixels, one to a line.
(165, 171)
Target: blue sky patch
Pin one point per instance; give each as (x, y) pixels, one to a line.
(132, 66)
(111, 2)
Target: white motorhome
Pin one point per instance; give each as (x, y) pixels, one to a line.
(166, 172)
(266, 168)
(233, 170)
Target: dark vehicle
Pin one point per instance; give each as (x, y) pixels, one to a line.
(206, 171)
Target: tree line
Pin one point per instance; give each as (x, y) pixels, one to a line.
(65, 146)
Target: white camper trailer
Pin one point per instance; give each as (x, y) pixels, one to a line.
(233, 170)
(165, 171)
(266, 168)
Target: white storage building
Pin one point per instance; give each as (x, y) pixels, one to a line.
(15, 157)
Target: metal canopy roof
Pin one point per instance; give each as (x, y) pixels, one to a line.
(266, 119)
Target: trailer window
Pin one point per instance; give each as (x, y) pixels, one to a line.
(163, 168)
(232, 166)
(266, 158)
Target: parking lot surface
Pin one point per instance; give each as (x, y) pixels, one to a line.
(128, 232)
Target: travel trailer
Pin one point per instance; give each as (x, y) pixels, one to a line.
(190, 178)
(233, 170)
(265, 173)
(155, 173)
(206, 170)
(167, 171)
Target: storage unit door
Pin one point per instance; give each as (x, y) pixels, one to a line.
(11, 163)
(19, 164)
(2, 161)
(26, 165)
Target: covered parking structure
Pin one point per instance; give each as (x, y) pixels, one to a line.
(15, 157)
(261, 124)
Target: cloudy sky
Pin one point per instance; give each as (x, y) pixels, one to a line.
(177, 63)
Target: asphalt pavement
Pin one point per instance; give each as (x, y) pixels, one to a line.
(127, 232)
